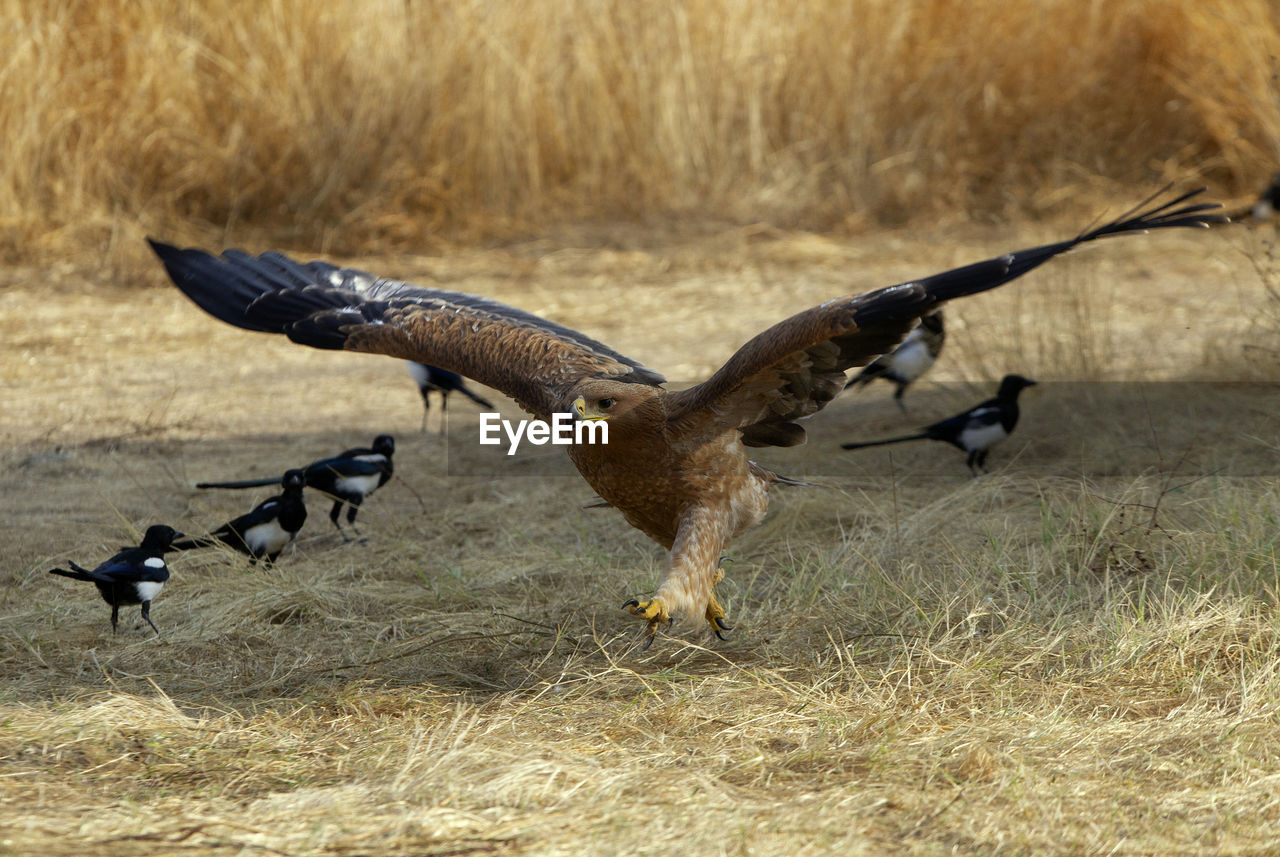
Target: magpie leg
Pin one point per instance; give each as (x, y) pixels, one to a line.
(897, 397)
(973, 456)
(146, 614)
(115, 617)
(444, 409)
(353, 508)
(333, 516)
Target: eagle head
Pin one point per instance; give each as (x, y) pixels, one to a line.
(602, 399)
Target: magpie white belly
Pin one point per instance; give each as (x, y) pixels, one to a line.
(357, 484)
(912, 361)
(267, 538)
(148, 589)
(982, 437)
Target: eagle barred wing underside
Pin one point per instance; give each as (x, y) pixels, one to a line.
(793, 369)
(532, 360)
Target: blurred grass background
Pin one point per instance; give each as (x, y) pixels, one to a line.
(386, 125)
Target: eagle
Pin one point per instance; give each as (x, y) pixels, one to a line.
(676, 464)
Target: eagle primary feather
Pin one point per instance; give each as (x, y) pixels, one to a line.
(676, 465)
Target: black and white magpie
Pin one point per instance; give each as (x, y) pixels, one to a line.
(911, 359)
(133, 576)
(433, 379)
(976, 430)
(347, 477)
(265, 531)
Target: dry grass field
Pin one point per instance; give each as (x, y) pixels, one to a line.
(1078, 653)
(399, 124)
(1043, 660)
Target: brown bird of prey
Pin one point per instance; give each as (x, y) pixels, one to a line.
(675, 464)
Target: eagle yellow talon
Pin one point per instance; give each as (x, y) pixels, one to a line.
(715, 616)
(652, 611)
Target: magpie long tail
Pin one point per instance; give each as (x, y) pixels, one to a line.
(246, 483)
(482, 402)
(862, 379)
(192, 544)
(903, 439)
(74, 575)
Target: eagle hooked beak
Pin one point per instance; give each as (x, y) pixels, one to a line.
(580, 408)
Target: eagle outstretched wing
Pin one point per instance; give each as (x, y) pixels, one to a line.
(532, 360)
(675, 469)
(793, 369)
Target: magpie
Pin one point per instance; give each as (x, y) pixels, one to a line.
(976, 430)
(265, 531)
(911, 359)
(347, 477)
(135, 575)
(434, 379)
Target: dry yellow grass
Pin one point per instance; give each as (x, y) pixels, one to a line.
(1037, 662)
(1032, 662)
(366, 124)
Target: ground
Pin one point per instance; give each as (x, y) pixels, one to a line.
(1073, 654)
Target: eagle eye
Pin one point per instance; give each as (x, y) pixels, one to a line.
(606, 404)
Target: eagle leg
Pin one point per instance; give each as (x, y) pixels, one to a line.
(692, 575)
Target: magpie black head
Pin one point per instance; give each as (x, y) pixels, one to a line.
(384, 444)
(294, 480)
(933, 321)
(158, 538)
(1012, 385)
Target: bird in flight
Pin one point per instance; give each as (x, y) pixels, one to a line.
(676, 464)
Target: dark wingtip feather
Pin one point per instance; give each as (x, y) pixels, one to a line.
(260, 293)
(1143, 217)
(1169, 214)
(213, 284)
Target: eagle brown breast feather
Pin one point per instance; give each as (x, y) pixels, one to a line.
(675, 465)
